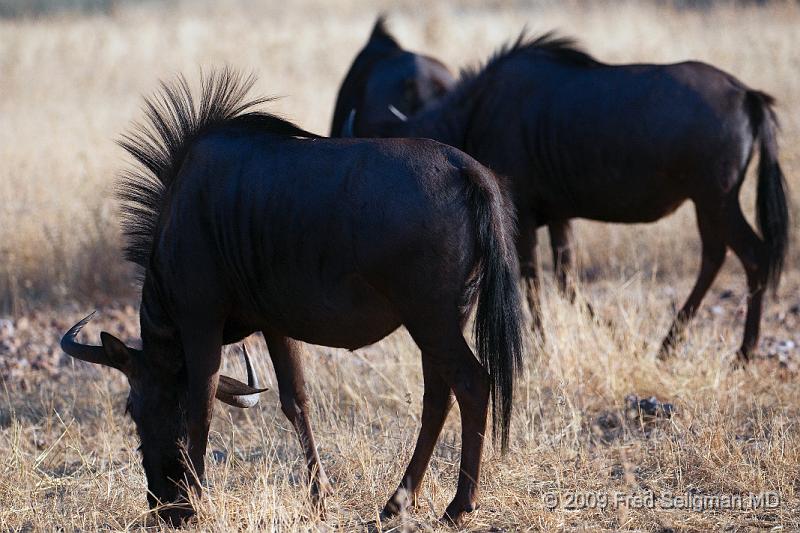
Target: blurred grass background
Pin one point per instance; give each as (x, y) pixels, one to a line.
(74, 72)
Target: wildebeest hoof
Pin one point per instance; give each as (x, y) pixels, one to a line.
(321, 490)
(391, 509)
(457, 512)
(666, 351)
(176, 516)
(399, 502)
(742, 358)
(388, 514)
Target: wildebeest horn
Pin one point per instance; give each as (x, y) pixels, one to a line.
(347, 128)
(396, 112)
(235, 393)
(86, 352)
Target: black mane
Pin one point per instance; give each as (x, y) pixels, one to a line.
(174, 119)
(555, 46)
(561, 48)
(550, 44)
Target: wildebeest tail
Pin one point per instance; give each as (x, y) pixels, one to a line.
(772, 210)
(499, 318)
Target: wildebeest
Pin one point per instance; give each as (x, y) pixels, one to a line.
(619, 143)
(383, 74)
(244, 222)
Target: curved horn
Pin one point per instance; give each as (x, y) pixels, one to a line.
(399, 114)
(235, 393)
(84, 352)
(347, 128)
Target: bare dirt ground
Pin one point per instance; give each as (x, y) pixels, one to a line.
(71, 83)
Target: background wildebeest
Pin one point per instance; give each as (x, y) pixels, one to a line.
(383, 74)
(244, 222)
(619, 143)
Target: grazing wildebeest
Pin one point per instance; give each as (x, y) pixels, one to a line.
(619, 143)
(243, 222)
(383, 74)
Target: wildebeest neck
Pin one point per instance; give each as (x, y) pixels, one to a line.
(158, 331)
(446, 122)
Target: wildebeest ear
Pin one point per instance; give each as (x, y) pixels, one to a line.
(118, 354)
(380, 34)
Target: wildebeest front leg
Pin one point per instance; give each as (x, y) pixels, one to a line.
(436, 403)
(202, 348)
(287, 358)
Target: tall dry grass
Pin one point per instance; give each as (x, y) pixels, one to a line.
(71, 83)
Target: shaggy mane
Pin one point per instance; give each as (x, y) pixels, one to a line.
(550, 44)
(174, 118)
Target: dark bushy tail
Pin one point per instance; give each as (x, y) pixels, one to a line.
(499, 318)
(772, 210)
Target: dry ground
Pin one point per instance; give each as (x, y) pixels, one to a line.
(69, 85)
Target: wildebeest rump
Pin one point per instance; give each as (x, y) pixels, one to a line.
(619, 143)
(383, 74)
(243, 222)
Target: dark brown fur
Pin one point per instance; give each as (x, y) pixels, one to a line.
(243, 222)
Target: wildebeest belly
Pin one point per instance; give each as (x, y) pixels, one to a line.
(628, 202)
(344, 313)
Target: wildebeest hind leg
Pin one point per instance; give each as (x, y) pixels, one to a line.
(287, 358)
(436, 402)
(450, 355)
(751, 251)
(528, 268)
(713, 255)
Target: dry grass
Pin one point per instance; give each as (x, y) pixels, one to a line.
(71, 84)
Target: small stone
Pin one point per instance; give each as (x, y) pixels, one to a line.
(648, 408)
(6, 327)
(219, 456)
(787, 344)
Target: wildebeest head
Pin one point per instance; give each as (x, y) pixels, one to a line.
(383, 76)
(157, 403)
